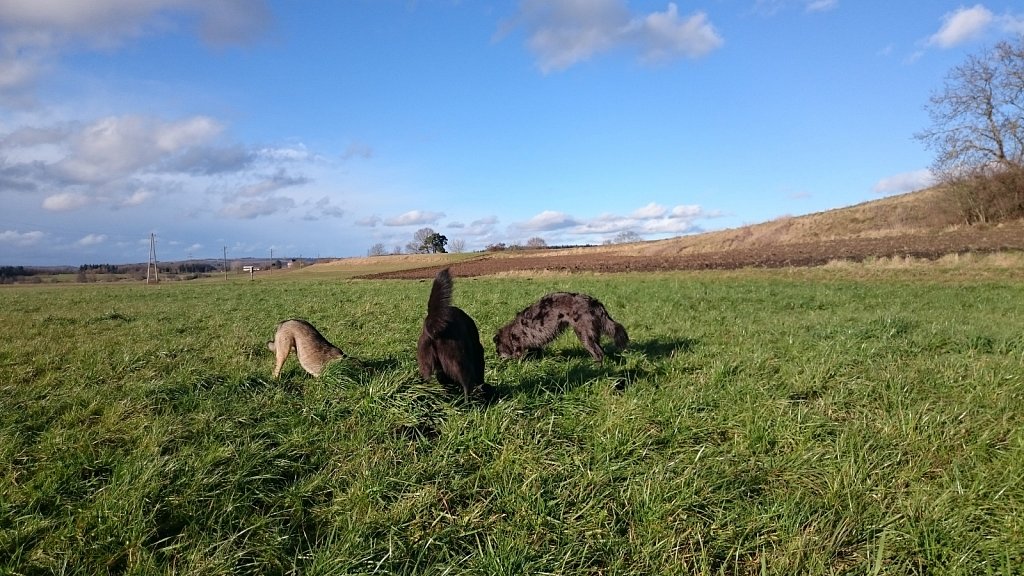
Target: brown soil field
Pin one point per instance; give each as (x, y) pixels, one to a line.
(642, 258)
(919, 225)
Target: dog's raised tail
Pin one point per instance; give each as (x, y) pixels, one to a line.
(440, 303)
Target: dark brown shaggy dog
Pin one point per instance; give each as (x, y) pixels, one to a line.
(449, 344)
(538, 325)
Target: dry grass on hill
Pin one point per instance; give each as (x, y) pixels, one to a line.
(916, 225)
(907, 214)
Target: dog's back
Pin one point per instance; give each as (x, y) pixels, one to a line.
(449, 344)
(312, 349)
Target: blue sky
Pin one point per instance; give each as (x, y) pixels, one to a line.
(323, 128)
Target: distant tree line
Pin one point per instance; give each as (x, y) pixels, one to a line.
(427, 241)
(101, 268)
(170, 268)
(11, 274)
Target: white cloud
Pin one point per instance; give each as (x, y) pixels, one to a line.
(254, 208)
(323, 208)
(652, 210)
(137, 198)
(961, 26)
(1013, 24)
(65, 201)
(652, 219)
(562, 33)
(481, 226)
(204, 160)
(369, 221)
(35, 33)
(21, 239)
(116, 146)
(821, 5)
(17, 77)
(127, 161)
(668, 226)
(547, 220)
(92, 239)
(664, 36)
(269, 184)
(175, 136)
(606, 223)
(773, 7)
(295, 153)
(691, 211)
(905, 182)
(414, 218)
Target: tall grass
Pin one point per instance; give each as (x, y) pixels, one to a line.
(767, 423)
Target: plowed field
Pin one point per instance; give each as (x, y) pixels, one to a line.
(928, 246)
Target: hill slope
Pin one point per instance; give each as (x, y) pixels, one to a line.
(917, 224)
(916, 213)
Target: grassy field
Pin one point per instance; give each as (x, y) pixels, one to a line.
(787, 422)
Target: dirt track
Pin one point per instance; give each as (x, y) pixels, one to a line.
(928, 246)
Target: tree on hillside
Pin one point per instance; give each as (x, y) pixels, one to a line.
(435, 243)
(377, 249)
(536, 242)
(458, 246)
(426, 241)
(977, 133)
(419, 241)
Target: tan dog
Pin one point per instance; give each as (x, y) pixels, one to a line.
(312, 349)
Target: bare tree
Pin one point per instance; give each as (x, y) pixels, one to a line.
(377, 249)
(626, 236)
(536, 242)
(977, 133)
(419, 244)
(458, 246)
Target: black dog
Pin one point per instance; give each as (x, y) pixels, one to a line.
(538, 325)
(449, 344)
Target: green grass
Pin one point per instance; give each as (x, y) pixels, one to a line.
(760, 423)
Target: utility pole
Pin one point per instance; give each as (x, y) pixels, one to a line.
(271, 267)
(152, 260)
(225, 262)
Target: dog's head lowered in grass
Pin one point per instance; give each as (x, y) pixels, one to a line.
(312, 349)
(449, 345)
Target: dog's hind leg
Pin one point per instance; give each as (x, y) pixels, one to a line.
(426, 364)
